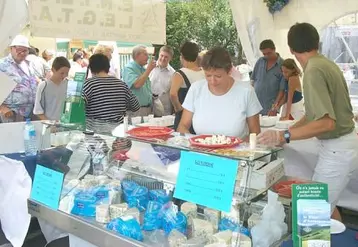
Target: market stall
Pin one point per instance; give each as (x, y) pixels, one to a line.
(256, 22)
(153, 164)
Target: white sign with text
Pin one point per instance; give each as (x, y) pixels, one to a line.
(141, 21)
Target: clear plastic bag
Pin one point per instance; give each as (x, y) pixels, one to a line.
(271, 228)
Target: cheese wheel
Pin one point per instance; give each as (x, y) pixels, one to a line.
(189, 209)
(117, 210)
(202, 228)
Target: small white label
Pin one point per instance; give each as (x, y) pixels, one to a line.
(126, 218)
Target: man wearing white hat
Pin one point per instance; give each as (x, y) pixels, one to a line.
(19, 104)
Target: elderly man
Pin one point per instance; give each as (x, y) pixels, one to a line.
(137, 78)
(160, 79)
(267, 78)
(19, 104)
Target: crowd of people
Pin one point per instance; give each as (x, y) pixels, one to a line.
(206, 95)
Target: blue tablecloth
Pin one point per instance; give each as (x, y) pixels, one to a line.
(346, 239)
(29, 162)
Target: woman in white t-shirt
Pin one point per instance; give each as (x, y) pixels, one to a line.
(183, 78)
(218, 104)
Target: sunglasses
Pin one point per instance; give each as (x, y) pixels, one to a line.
(20, 49)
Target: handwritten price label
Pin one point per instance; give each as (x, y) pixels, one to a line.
(206, 180)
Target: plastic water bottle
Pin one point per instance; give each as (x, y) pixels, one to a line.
(30, 139)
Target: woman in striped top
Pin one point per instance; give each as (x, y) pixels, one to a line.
(107, 98)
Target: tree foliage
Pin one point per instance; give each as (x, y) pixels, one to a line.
(207, 22)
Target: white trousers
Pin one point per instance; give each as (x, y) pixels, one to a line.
(337, 160)
(297, 110)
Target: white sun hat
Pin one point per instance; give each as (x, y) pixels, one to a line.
(20, 40)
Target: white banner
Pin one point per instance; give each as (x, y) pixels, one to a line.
(141, 21)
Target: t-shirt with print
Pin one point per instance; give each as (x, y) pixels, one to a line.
(50, 98)
(225, 114)
(326, 93)
(108, 98)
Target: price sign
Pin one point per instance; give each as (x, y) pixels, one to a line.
(47, 186)
(206, 180)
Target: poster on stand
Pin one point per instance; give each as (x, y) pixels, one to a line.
(140, 21)
(311, 215)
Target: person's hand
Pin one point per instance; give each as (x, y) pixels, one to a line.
(284, 118)
(270, 138)
(272, 113)
(6, 112)
(151, 65)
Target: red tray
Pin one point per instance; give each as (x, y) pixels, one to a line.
(150, 132)
(234, 142)
(284, 188)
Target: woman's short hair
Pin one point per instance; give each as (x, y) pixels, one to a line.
(60, 62)
(77, 56)
(189, 51)
(217, 58)
(99, 63)
(103, 49)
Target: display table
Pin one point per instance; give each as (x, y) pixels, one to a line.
(346, 239)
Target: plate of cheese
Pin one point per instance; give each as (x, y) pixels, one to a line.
(214, 141)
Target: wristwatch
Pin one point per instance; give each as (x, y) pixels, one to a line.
(287, 136)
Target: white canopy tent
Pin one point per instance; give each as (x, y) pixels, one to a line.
(255, 23)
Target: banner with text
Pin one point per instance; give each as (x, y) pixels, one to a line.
(141, 21)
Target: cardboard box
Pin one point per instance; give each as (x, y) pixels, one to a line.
(263, 176)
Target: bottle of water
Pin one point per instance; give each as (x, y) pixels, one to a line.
(30, 139)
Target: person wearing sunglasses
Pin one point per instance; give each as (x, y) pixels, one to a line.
(20, 102)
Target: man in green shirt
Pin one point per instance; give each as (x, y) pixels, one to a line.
(329, 115)
(137, 78)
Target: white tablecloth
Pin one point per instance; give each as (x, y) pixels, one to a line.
(300, 161)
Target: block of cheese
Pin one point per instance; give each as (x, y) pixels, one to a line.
(224, 236)
(189, 209)
(134, 212)
(245, 241)
(216, 245)
(202, 228)
(213, 216)
(117, 210)
(115, 196)
(102, 213)
(176, 238)
(115, 183)
(195, 242)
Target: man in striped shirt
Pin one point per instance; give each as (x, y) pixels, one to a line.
(137, 78)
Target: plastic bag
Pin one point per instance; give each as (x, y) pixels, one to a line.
(158, 108)
(271, 227)
(172, 219)
(152, 217)
(126, 226)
